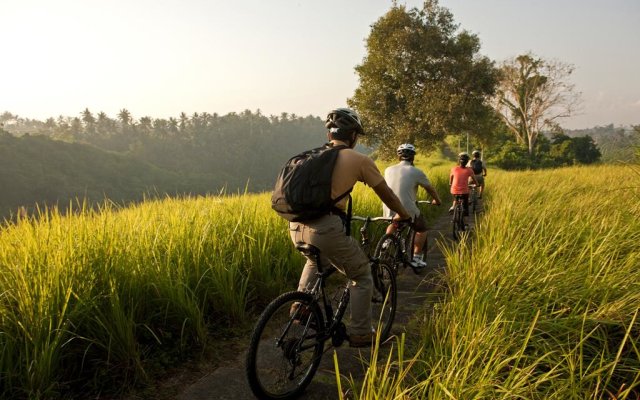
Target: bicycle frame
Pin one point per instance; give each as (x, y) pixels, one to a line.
(318, 291)
(282, 367)
(458, 223)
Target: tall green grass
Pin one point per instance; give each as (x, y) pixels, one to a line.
(91, 298)
(543, 301)
(104, 298)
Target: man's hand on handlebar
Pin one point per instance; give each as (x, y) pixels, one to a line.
(398, 222)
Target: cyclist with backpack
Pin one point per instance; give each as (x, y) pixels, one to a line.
(479, 170)
(404, 179)
(459, 181)
(323, 220)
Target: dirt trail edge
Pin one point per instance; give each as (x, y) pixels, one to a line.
(228, 381)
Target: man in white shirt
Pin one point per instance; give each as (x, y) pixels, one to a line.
(404, 179)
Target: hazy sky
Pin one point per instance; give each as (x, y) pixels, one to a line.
(161, 57)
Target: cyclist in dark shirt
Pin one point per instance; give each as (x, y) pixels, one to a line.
(479, 170)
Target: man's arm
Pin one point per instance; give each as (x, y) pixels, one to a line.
(473, 177)
(434, 194)
(392, 201)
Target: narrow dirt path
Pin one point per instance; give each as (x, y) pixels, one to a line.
(228, 382)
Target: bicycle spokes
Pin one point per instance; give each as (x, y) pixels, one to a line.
(285, 348)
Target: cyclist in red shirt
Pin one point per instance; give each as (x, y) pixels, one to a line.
(459, 181)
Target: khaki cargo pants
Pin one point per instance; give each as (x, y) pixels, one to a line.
(327, 234)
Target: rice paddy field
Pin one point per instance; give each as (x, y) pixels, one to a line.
(542, 302)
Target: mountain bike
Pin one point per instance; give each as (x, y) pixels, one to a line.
(458, 224)
(287, 342)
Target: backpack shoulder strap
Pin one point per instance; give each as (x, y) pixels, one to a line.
(346, 218)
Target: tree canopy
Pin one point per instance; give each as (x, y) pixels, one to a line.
(533, 95)
(422, 78)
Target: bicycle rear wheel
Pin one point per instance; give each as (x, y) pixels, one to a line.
(457, 222)
(388, 251)
(474, 201)
(285, 349)
(385, 297)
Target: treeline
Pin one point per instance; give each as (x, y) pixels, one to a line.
(553, 151)
(98, 157)
(615, 143)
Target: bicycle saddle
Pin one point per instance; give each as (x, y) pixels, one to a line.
(307, 249)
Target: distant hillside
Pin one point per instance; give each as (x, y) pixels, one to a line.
(96, 158)
(36, 169)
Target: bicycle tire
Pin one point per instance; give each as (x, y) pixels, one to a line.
(385, 299)
(389, 253)
(474, 201)
(457, 222)
(276, 365)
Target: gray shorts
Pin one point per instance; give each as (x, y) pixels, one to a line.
(480, 179)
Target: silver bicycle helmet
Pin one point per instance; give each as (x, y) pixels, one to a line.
(344, 119)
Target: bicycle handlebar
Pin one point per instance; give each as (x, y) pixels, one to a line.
(372, 219)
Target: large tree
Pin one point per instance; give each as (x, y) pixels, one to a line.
(422, 78)
(534, 94)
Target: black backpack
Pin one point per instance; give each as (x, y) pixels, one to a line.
(476, 166)
(303, 188)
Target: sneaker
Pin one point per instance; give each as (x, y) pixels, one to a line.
(365, 340)
(451, 210)
(418, 262)
(385, 244)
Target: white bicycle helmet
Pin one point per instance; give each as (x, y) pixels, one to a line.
(406, 150)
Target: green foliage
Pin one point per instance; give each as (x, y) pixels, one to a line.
(616, 144)
(421, 79)
(577, 150)
(561, 151)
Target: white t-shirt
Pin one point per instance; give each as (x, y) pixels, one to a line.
(404, 179)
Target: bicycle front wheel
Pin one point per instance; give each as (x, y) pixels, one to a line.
(285, 347)
(385, 297)
(388, 251)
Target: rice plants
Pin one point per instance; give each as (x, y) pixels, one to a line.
(544, 300)
(95, 299)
